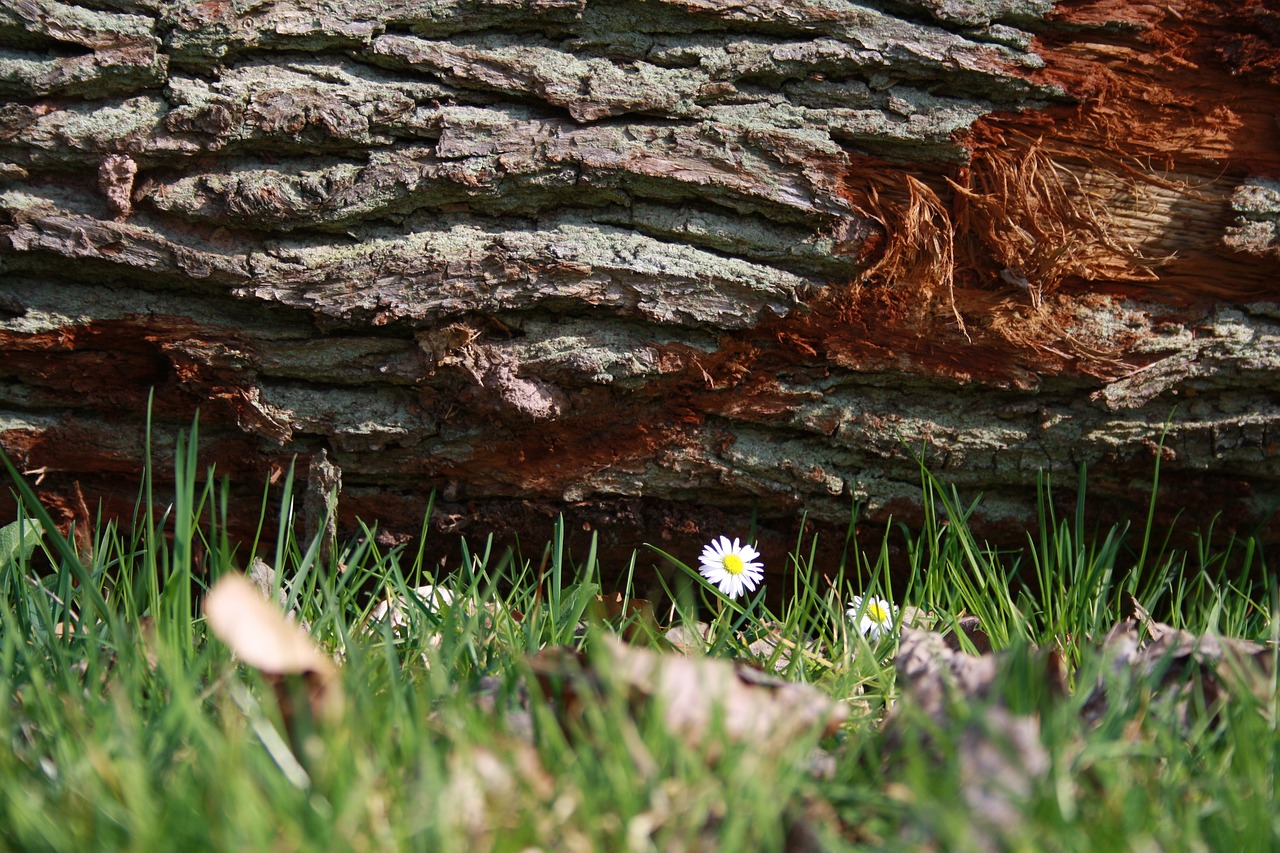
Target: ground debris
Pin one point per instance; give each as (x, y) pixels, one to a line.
(1178, 664)
(634, 617)
(950, 700)
(484, 780)
(258, 633)
(697, 696)
(1000, 754)
(400, 609)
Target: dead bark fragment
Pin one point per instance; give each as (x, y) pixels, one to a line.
(320, 506)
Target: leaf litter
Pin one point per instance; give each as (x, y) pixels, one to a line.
(698, 697)
(1179, 664)
(999, 750)
(709, 702)
(260, 634)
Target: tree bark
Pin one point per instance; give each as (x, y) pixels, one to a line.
(664, 266)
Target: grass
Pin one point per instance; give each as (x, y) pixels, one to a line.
(130, 727)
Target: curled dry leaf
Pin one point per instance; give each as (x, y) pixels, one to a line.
(1000, 752)
(263, 575)
(932, 674)
(1179, 661)
(689, 639)
(638, 623)
(258, 633)
(971, 628)
(699, 696)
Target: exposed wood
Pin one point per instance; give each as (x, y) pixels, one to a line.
(658, 265)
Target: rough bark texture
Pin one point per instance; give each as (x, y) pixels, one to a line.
(660, 264)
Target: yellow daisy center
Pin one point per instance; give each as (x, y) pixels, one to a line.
(877, 612)
(733, 564)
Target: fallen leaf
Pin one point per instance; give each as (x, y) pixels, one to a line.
(259, 634)
(634, 615)
(398, 609)
(263, 575)
(1001, 758)
(1000, 753)
(777, 646)
(698, 696)
(971, 628)
(1178, 662)
(690, 639)
(932, 674)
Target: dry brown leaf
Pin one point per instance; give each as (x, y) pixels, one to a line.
(932, 674)
(774, 643)
(689, 639)
(258, 633)
(640, 623)
(756, 708)
(1000, 753)
(1222, 667)
(1001, 758)
(698, 696)
(971, 627)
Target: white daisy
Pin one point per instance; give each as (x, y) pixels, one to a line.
(875, 616)
(730, 566)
